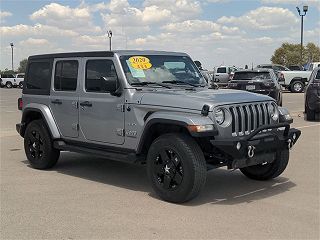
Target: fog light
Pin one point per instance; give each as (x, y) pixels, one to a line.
(238, 146)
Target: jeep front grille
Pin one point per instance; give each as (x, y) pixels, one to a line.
(248, 117)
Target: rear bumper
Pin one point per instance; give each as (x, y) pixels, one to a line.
(257, 147)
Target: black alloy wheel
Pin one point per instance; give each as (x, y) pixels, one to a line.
(35, 144)
(168, 169)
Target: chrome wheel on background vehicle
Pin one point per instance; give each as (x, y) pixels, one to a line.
(21, 85)
(8, 85)
(297, 87)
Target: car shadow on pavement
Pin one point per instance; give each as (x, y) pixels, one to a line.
(222, 186)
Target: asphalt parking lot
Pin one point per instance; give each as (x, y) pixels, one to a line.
(90, 198)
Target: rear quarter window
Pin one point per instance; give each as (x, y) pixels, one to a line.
(38, 77)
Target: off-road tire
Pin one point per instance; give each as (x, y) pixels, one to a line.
(9, 85)
(49, 155)
(295, 90)
(269, 170)
(191, 158)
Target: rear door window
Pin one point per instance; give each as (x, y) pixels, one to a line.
(66, 75)
(251, 75)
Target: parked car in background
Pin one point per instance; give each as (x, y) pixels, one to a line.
(313, 65)
(276, 67)
(262, 81)
(294, 81)
(8, 80)
(312, 96)
(223, 74)
(19, 79)
(295, 68)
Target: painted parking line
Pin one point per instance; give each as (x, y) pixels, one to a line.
(307, 126)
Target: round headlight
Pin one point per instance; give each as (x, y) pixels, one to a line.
(273, 111)
(219, 116)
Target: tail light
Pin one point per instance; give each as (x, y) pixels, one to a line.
(20, 103)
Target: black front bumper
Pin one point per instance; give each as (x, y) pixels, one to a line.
(264, 144)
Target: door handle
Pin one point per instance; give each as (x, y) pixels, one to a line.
(56, 101)
(86, 104)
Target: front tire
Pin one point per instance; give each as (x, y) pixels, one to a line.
(176, 167)
(268, 171)
(38, 146)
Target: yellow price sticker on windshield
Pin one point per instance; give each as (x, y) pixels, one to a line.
(140, 62)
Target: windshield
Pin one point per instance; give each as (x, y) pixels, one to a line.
(161, 68)
(251, 76)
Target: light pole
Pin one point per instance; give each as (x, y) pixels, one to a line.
(11, 44)
(305, 10)
(109, 36)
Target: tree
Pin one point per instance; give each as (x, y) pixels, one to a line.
(289, 54)
(23, 66)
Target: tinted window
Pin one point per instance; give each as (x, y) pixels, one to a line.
(318, 75)
(39, 75)
(266, 66)
(221, 70)
(96, 70)
(251, 75)
(20, 76)
(65, 77)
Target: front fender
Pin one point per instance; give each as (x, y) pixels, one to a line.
(174, 118)
(46, 115)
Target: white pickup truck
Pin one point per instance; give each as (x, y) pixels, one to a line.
(295, 81)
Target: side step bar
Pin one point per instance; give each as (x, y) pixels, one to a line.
(129, 157)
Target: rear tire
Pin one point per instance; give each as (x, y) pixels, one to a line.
(269, 170)
(297, 86)
(9, 85)
(176, 167)
(21, 85)
(38, 146)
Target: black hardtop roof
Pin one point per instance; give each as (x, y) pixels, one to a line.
(103, 54)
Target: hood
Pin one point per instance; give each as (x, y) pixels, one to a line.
(196, 99)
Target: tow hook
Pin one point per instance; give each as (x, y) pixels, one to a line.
(290, 144)
(251, 151)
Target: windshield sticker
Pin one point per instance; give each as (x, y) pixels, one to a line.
(139, 62)
(136, 73)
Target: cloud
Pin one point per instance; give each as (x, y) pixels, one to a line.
(34, 41)
(66, 17)
(36, 30)
(263, 18)
(314, 3)
(3, 15)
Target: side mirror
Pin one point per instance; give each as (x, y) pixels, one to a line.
(111, 85)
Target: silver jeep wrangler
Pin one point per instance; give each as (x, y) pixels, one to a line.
(150, 107)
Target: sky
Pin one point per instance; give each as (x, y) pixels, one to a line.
(215, 32)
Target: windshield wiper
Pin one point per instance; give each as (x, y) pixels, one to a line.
(149, 83)
(181, 82)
